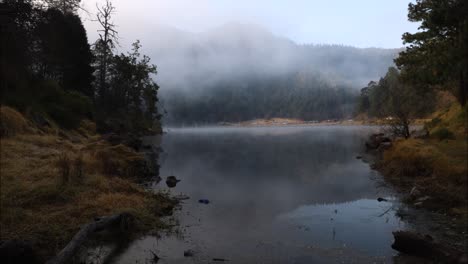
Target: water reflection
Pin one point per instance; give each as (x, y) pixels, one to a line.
(277, 195)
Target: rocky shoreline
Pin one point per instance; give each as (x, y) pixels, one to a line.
(438, 236)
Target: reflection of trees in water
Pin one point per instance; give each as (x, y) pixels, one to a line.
(256, 177)
(310, 166)
(266, 155)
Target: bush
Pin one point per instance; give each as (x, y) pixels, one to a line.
(11, 122)
(67, 108)
(443, 133)
(433, 123)
(409, 158)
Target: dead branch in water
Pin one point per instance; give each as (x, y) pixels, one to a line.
(121, 220)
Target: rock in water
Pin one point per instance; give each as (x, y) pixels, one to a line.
(172, 181)
(415, 244)
(204, 201)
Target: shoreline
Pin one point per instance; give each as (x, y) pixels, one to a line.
(426, 206)
(295, 122)
(50, 174)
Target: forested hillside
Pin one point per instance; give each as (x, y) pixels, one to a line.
(50, 71)
(71, 117)
(239, 71)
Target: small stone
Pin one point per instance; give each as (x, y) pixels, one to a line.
(189, 253)
(380, 199)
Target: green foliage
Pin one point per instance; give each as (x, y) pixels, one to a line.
(443, 133)
(130, 94)
(49, 70)
(437, 55)
(50, 64)
(390, 97)
(67, 108)
(66, 56)
(433, 123)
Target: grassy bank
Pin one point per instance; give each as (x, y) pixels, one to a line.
(436, 165)
(53, 181)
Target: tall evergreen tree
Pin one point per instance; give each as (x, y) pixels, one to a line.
(437, 55)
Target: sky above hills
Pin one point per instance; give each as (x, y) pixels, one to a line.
(362, 23)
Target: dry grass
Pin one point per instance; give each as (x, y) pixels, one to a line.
(12, 122)
(437, 167)
(51, 186)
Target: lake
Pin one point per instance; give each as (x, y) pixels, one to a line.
(276, 195)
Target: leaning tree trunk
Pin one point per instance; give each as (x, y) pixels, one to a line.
(64, 256)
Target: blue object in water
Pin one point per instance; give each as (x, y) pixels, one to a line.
(204, 201)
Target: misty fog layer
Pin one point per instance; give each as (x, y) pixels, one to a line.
(238, 72)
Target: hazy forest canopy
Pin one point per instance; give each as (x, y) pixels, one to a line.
(240, 71)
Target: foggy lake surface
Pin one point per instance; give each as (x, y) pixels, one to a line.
(276, 195)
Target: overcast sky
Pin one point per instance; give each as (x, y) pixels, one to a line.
(360, 23)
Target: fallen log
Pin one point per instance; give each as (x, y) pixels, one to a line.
(122, 221)
(415, 244)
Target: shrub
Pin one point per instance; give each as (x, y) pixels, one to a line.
(433, 123)
(11, 122)
(409, 158)
(87, 127)
(67, 108)
(443, 133)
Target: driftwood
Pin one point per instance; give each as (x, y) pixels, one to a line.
(121, 220)
(415, 244)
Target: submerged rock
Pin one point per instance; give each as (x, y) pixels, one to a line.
(189, 253)
(378, 141)
(380, 199)
(172, 181)
(416, 244)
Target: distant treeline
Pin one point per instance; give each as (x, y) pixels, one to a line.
(303, 95)
(49, 70)
(436, 59)
(239, 72)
